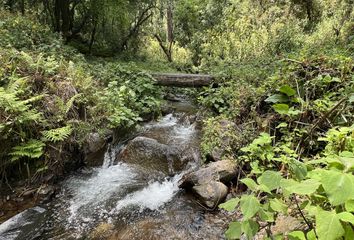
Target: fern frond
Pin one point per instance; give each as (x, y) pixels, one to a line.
(57, 134)
(16, 84)
(11, 104)
(31, 149)
(34, 99)
(71, 101)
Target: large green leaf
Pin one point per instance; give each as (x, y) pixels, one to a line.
(287, 90)
(296, 235)
(298, 169)
(249, 206)
(230, 205)
(338, 186)
(234, 231)
(277, 98)
(328, 226)
(281, 108)
(346, 217)
(250, 183)
(306, 187)
(270, 179)
(250, 228)
(278, 205)
(349, 205)
(349, 232)
(266, 216)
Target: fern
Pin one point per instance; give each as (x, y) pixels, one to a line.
(20, 110)
(31, 149)
(57, 134)
(16, 84)
(71, 101)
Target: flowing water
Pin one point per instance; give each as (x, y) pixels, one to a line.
(127, 201)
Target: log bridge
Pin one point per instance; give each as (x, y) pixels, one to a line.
(182, 80)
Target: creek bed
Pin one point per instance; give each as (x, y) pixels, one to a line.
(124, 200)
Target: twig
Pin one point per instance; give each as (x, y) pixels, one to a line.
(328, 114)
(303, 216)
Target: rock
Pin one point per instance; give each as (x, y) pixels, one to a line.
(151, 154)
(102, 231)
(46, 191)
(29, 224)
(223, 171)
(94, 149)
(285, 224)
(94, 142)
(211, 193)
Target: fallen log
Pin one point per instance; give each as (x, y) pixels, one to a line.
(182, 80)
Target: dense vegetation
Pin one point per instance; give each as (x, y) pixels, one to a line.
(285, 79)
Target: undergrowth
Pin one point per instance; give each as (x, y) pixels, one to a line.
(51, 98)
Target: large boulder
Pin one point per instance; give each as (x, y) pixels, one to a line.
(29, 224)
(149, 153)
(211, 194)
(223, 171)
(95, 146)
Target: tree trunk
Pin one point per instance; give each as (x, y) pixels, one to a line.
(65, 17)
(93, 34)
(170, 38)
(169, 16)
(167, 50)
(182, 80)
(23, 7)
(57, 16)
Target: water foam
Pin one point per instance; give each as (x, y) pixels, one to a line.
(89, 194)
(151, 197)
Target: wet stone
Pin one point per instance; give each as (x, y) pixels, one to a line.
(223, 171)
(211, 194)
(28, 225)
(149, 153)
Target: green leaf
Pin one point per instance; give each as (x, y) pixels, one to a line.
(306, 187)
(250, 228)
(298, 169)
(349, 205)
(252, 185)
(249, 206)
(338, 186)
(234, 231)
(266, 216)
(311, 235)
(287, 90)
(230, 205)
(270, 179)
(328, 226)
(346, 217)
(349, 232)
(281, 108)
(296, 235)
(278, 205)
(351, 98)
(282, 125)
(277, 98)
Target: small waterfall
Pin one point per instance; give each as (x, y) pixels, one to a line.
(110, 155)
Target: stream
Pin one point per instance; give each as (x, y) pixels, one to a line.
(129, 199)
